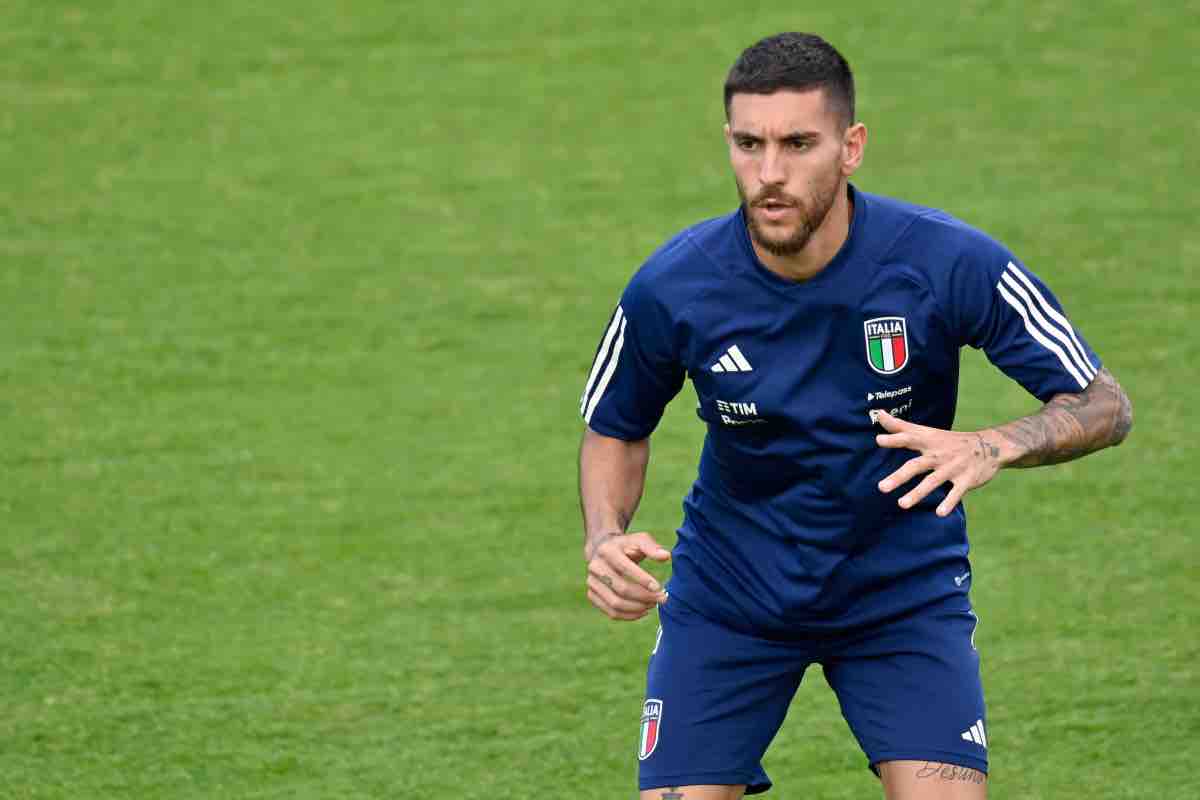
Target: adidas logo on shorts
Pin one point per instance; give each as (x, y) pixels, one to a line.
(975, 734)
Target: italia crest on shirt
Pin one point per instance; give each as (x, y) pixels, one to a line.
(651, 717)
(887, 344)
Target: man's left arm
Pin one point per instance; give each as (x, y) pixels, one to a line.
(1066, 427)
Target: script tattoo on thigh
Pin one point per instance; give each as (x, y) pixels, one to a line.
(950, 772)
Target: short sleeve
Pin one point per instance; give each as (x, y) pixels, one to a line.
(999, 306)
(637, 369)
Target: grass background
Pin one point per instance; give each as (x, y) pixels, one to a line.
(298, 299)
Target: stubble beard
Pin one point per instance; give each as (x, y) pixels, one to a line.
(812, 215)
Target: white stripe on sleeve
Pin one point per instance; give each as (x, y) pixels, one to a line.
(1076, 349)
(608, 373)
(1041, 337)
(1046, 327)
(601, 354)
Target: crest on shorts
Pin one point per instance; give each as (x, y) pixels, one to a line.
(651, 720)
(887, 344)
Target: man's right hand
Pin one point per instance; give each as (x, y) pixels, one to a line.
(616, 584)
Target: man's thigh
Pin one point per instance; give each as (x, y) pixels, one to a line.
(911, 692)
(930, 780)
(715, 698)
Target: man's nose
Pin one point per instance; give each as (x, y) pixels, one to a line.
(770, 170)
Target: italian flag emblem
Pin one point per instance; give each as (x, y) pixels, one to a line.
(887, 344)
(651, 717)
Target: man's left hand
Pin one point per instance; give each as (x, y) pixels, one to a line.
(965, 460)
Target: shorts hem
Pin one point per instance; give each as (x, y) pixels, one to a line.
(728, 778)
(939, 756)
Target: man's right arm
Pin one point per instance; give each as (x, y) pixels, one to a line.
(612, 474)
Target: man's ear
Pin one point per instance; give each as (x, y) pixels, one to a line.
(854, 145)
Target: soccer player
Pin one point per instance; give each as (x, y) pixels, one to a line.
(821, 328)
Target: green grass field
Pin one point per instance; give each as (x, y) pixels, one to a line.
(298, 302)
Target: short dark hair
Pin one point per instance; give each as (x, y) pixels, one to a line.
(797, 61)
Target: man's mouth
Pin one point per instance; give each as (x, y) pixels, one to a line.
(774, 208)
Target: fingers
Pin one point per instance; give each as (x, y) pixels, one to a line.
(900, 433)
(612, 613)
(617, 585)
(922, 489)
(889, 423)
(908, 437)
(909, 470)
(621, 554)
(948, 457)
(896, 440)
(952, 499)
(605, 593)
(959, 485)
(958, 488)
(621, 586)
(642, 544)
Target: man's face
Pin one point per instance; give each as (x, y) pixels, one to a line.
(791, 156)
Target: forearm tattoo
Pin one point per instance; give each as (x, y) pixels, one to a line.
(934, 770)
(594, 544)
(623, 520)
(1073, 425)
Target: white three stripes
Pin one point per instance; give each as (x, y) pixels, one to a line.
(1020, 293)
(975, 734)
(1074, 348)
(616, 327)
(732, 361)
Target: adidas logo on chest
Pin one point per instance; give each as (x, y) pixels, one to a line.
(732, 361)
(735, 412)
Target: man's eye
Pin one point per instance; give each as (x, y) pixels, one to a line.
(747, 144)
(799, 144)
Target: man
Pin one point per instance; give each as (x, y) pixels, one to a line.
(821, 328)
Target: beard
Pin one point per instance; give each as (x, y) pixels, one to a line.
(812, 212)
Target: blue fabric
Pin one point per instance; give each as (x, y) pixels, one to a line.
(784, 529)
(909, 688)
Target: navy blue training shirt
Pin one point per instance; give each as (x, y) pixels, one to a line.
(784, 529)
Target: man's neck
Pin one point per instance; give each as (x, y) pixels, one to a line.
(824, 244)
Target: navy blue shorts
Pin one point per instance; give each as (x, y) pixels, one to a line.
(715, 697)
